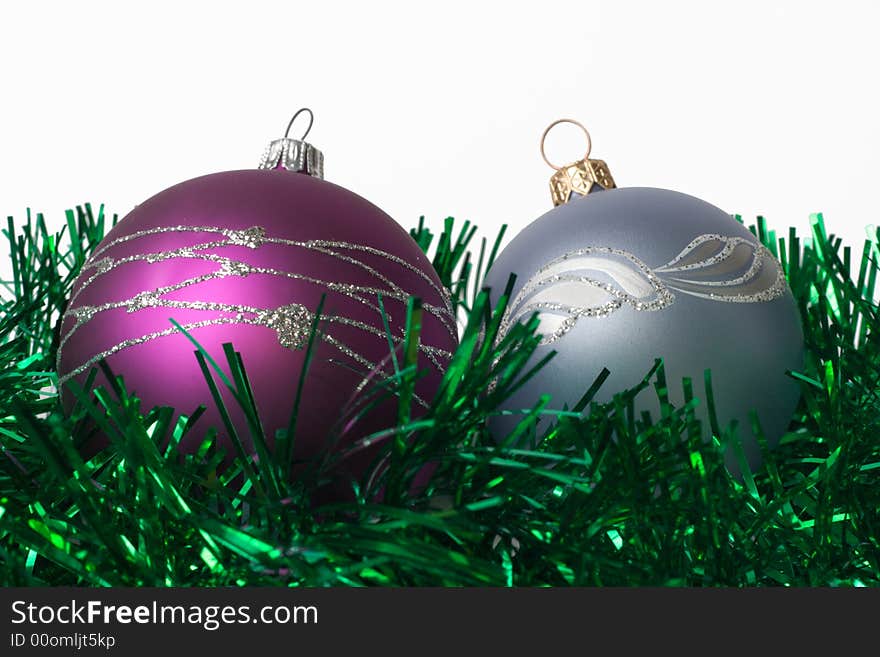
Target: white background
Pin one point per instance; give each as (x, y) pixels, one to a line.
(437, 108)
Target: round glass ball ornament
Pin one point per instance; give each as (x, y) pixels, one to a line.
(246, 257)
(620, 277)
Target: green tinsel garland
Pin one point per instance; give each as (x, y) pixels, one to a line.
(605, 500)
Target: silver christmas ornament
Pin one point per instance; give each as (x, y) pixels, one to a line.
(620, 277)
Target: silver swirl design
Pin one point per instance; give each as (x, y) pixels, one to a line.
(713, 267)
(291, 323)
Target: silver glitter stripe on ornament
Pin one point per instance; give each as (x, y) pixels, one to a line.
(707, 268)
(757, 262)
(371, 367)
(273, 318)
(153, 300)
(763, 280)
(663, 296)
(431, 352)
(249, 237)
(255, 236)
(443, 314)
(131, 342)
(228, 267)
(440, 290)
(720, 245)
(292, 324)
(548, 279)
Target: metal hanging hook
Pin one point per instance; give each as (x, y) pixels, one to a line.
(553, 125)
(311, 121)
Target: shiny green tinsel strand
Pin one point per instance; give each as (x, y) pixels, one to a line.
(606, 498)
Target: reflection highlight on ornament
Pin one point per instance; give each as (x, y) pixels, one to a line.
(291, 323)
(595, 281)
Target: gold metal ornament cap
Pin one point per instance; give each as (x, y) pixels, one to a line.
(577, 178)
(294, 154)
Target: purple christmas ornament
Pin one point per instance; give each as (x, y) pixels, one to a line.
(245, 257)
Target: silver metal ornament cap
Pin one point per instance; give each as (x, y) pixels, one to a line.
(294, 154)
(576, 179)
